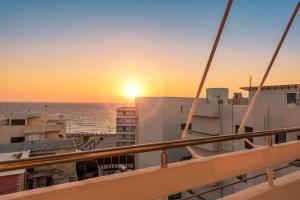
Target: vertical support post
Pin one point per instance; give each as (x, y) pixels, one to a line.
(270, 172)
(164, 159)
(270, 141)
(164, 164)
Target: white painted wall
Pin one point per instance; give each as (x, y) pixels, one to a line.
(274, 97)
(159, 119)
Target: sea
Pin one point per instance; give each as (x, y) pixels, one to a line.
(99, 118)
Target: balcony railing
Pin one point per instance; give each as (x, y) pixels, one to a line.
(160, 181)
(140, 148)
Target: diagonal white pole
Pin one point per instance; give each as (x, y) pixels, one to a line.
(252, 104)
(212, 53)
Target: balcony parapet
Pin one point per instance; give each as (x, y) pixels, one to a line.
(183, 175)
(286, 187)
(140, 148)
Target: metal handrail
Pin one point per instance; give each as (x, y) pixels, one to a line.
(141, 148)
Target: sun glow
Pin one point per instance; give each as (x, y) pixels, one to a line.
(132, 91)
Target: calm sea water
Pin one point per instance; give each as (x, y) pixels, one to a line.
(80, 117)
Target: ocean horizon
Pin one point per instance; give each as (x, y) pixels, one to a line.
(88, 117)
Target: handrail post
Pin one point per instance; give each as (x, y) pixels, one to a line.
(270, 141)
(164, 159)
(270, 172)
(164, 164)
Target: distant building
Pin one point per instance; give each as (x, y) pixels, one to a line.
(16, 128)
(13, 181)
(126, 124)
(126, 121)
(39, 176)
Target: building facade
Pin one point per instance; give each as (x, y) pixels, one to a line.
(125, 125)
(16, 128)
(163, 119)
(13, 181)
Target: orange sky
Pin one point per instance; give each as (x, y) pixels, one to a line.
(104, 80)
(75, 57)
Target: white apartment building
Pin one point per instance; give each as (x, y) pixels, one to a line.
(160, 119)
(126, 123)
(163, 118)
(277, 95)
(276, 107)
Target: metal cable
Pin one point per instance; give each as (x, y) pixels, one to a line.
(212, 53)
(250, 108)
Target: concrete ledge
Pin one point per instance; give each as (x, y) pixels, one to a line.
(155, 182)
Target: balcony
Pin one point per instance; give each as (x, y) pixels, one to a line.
(161, 181)
(43, 128)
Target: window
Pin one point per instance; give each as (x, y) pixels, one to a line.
(280, 138)
(130, 128)
(183, 126)
(17, 139)
(291, 98)
(17, 122)
(120, 128)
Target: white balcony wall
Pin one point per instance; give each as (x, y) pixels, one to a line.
(156, 182)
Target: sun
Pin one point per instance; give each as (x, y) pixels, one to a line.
(132, 91)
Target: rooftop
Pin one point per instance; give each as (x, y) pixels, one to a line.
(287, 86)
(36, 145)
(13, 156)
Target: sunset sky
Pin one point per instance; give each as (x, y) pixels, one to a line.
(92, 51)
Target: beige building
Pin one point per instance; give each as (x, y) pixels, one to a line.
(28, 127)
